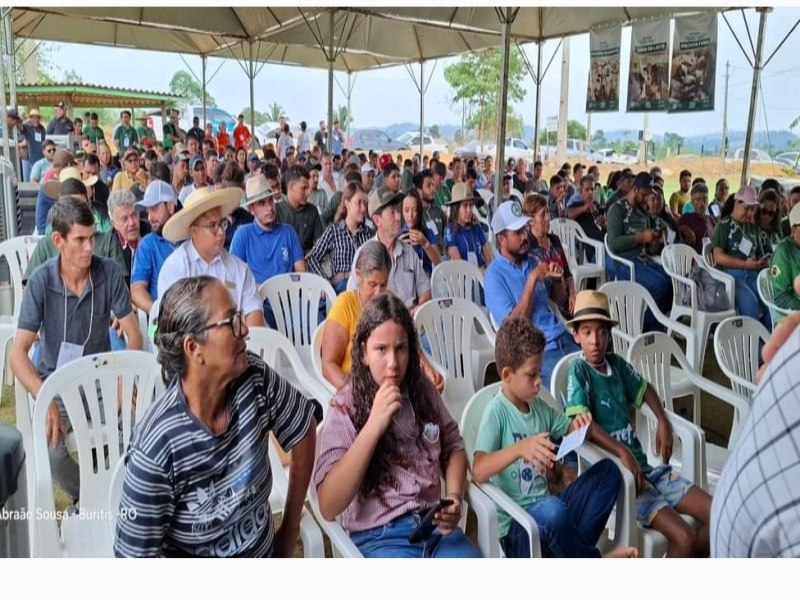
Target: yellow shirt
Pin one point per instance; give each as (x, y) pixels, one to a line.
(677, 200)
(346, 311)
(122, 181)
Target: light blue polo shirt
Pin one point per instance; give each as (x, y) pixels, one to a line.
(267, 253)
(503, 285)
(151, 254)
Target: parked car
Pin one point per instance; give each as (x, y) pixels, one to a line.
(577, 149)
(609, 155)
(790, 159)
(756, 155)
(363, 140)
(475, 149)
(515, 148)
(429, 146)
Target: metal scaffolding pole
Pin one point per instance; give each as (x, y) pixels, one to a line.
(251, 75)
(751, 115)
(203, 58)
(331, 60)
(421, 106)
(538, 99)
(506, 16)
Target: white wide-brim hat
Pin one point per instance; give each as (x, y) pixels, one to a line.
(198, 202)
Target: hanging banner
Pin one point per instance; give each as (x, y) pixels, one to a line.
(603, 91)
(694, 63)
(648, 77)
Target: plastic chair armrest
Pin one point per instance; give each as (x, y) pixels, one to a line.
(516, 513)
(486, 513)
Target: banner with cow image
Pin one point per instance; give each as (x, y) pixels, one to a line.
(648, 76)
(603, 92)
(694, 63)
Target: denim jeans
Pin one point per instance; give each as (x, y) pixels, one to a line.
(570, 524)
(340, 286)
(655, 280)
(391, 541)
(745, 295)
(565, 344)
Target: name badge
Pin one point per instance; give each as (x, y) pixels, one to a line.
(670, 236)
(432, 226)
(745, 246)
(37, 135)
(472, 258)
(126, 141)
(68, 353)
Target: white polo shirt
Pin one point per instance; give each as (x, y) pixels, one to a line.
(230, 270)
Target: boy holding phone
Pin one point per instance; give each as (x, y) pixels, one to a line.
(514, 450)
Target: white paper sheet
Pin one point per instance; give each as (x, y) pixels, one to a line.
(571, 442)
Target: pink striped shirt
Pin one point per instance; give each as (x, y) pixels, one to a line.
(417, 481)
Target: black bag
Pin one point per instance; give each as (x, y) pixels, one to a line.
(711, 295)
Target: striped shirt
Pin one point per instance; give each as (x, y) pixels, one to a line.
(340, 244)
(756, 507)
(416, 483)
(197, 494)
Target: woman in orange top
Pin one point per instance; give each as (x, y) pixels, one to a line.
(223, 139)
(210, 135)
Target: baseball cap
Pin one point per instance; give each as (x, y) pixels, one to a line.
(507, 176)
(12, 113)
(157, 192)
(794, 216)
(353, 160)
(509, 217)
(182, 155)
(747, 195)
(130, 152)
(194, 160)
(61, 104)
(252, 156)
(643, 181)
(382, 197)
(367, 168)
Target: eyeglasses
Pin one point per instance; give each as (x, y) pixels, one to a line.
(235, 321)
(214, 227)
(50, 150)
(769, 213)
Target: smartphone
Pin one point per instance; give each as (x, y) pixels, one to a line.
(425, 528)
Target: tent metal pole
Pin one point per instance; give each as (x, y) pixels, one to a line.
(349, 93)
(421, 107)
(331, 60)
(751, 116)
(563, 105)
(251, 75)
(538, 99)
(507, 18)
(12, 83)
(203, 58)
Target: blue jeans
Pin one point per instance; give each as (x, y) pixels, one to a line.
(655, 280)
(391, 541)
(340, 286)
(26, 170)
(745, 295)
(571, 522)
(564, 344)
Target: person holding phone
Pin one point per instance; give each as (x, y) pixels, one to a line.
(387, 443)
(463, 237)
(415, 232)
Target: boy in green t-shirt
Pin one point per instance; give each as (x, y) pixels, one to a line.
(604, 386)
(514, 451)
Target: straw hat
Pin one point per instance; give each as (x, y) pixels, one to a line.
(198, 202)
(591, 306)
(257, 189)
(463, 192)
(73, 173)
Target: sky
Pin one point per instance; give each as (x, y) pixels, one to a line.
(385, 96)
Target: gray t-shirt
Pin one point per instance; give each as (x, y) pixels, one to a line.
(87, 318)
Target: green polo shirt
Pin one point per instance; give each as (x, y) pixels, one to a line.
(784, 267)
(730, 236)
(441, 196)
(105, 246)
(125, 134)
(96, 135)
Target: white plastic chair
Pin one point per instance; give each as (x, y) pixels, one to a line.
(17, 251)
(678, 260)
(91, 388)
(618, 259)
(7, 331)
(651, 355)
(737, 345)
(295, 299)
(767, 297)
(470, 425)
(449, 324)
(628, 301)
(574, 240)
(627, 531)
(316, 358)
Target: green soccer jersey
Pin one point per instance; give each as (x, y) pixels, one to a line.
(784, 266)
(503, 425)
(441, 196)
(739, 240)
(624, 222)
(607, 396)
(125, 137)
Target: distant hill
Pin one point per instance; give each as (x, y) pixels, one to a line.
(773, 142)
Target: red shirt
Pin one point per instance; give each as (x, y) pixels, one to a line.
(223, 140)
(241, 137)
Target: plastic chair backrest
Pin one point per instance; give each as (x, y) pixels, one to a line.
(17, 251)
(708, 255)
(618, 259)
(115, 497)
(471, 417)
(316, 357)
(558, 379)
(295, 300)
(767, 296)
(277, 351)
(627, 302)
(570, 234)
(91, 389)
(448, 324)
(457, 279)
(737, 345)
(678, 259)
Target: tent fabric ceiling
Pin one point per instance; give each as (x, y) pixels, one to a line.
(367, 38)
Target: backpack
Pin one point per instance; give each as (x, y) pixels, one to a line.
(711, 295)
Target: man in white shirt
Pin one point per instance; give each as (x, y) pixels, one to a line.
(202, 224)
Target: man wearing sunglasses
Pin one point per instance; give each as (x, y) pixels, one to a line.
(41, 166)
(202, 223)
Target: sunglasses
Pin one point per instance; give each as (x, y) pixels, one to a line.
(50, 150)
(768, 212)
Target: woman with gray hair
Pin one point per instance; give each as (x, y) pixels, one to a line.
(198, 479)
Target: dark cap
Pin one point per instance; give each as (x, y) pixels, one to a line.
(626, 175)
(643, 181)
(12, 113)
(195, 160)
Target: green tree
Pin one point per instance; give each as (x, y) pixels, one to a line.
(434, 131)
(260, 117)
(71, 76)
(599, 139)
(185, 84)
(473, 80)
(576, 130)
(274, 112)
(345, 119)
(673, 141)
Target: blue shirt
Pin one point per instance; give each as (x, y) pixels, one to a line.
(39, 168)
(43, 206)
(466, 239)
(427, 265)
(267, 253)
(503, 286)
(152, 252)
